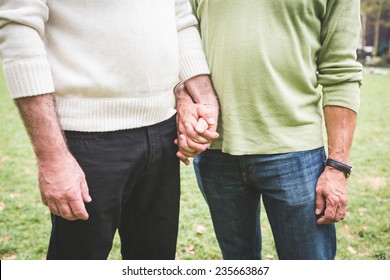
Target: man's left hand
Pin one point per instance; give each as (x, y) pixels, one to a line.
(331, 196)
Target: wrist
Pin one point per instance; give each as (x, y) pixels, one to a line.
(339, 166)
(52, 152)
(201, 90)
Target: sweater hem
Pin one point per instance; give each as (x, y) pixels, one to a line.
(111, 114)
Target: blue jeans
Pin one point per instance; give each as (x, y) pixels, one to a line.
(233, 186)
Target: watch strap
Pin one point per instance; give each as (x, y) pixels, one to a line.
(345, 168)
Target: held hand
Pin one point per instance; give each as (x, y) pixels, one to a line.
(196, 125)
(202, 117)
(189, 148)
(64, 188)
(331, 196)
(184, 152)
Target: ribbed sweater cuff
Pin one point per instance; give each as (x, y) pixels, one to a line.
(28, 77)
(192, 63)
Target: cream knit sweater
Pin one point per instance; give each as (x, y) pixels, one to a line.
(111, 64)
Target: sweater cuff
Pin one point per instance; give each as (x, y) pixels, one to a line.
(344, 95)
(192, 63)
(28, 77)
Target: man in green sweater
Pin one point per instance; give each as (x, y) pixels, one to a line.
(267, 59)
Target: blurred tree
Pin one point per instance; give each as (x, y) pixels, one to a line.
(377, 9)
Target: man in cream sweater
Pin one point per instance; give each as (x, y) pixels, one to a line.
(93, 82)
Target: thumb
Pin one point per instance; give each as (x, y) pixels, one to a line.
(207, 114)
(201, 126)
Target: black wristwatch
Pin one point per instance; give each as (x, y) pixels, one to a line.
(345, 168)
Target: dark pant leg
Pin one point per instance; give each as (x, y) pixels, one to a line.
(110, 162)
(149, 223)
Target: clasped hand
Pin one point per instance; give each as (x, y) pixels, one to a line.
(196, 125)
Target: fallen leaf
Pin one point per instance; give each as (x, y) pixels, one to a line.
(191, 250)
(2, 206)
(13, 195)
(5, 159)
(4, 239)
(200, 229)
(351, 250)
(10, 257)
(362, 211)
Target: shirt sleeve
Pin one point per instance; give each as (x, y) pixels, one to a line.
(192, 58)
(26, 69)
(338, 71)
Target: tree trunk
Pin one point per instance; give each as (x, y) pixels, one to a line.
(363, 30)
(378, 21)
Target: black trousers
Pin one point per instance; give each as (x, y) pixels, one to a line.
(134, 181)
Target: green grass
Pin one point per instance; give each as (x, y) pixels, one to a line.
(363, 235)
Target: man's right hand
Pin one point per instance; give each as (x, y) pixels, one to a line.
(61, 180)
(64, 188)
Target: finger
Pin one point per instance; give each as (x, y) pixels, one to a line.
(194, 136)
(44, 200)
(183, 158)
(85, 191)
(66, 212)
(78, 210)
(210, 135)
(189, 146)
(340, 214)
(330, 212)
(341, 210)
(201, 126)
(184, 146)
(208, 116)
(53, 208)
(197, 146)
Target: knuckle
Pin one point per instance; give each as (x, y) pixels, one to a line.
(343, 200)
(69, 217)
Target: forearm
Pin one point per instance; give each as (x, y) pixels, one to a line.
(61, 181)
(331, 189)
(201, 90)
(340, 125)
(41, 122)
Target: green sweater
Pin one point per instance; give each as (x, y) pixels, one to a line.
(267, 58)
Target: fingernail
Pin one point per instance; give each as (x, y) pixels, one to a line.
(211, 121)
(318, 211)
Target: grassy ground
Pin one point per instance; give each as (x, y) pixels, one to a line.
(364, 234)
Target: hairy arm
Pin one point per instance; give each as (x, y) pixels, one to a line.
(61, 180)
(332, 191)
